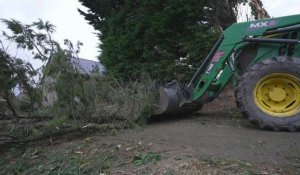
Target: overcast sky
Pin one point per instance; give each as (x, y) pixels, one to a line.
(62, 13)
(278, 8)
(70, 24)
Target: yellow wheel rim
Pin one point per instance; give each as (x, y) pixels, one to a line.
(278, 95)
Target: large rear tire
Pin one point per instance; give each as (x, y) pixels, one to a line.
(268, 94)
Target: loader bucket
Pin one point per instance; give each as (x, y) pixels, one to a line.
(174, 99)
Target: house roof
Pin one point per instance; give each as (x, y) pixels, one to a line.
(87, 66)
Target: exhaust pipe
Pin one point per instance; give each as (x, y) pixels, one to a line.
(174, 99)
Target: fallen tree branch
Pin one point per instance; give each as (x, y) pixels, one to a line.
(122, 172)
(10, 136)
(35, 117)
(83, 129)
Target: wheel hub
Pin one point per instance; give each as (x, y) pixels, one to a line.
(278, 95)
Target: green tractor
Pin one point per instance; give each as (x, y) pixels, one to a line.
(263, 59)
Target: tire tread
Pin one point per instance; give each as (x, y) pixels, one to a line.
(240, 91)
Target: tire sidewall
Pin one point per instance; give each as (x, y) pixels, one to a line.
(287, 67)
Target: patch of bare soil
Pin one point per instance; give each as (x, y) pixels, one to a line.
(228, 144)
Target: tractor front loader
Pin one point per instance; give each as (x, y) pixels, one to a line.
(263, 59)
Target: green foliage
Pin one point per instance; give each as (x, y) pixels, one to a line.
(57, 122)
(67, 83)
(79, 97)
(16, 73)
(35, 37)
(34, 161)
(145, 158)
(134, 101)
(223, 13)
(151, 36)
(91, 97)
(168, 39)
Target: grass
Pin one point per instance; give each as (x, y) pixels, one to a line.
(84, 156)
(89, 156)
(145, 158)
(73, 161)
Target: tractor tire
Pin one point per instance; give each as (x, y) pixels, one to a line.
(268, 94)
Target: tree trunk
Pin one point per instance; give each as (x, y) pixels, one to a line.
(10, 104)
(258, 10)
(2, 109)
(222, 13)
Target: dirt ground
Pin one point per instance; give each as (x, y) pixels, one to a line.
(220, 137)
(218, 140)
(204, 144)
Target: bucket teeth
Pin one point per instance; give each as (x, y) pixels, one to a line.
(176, 99)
